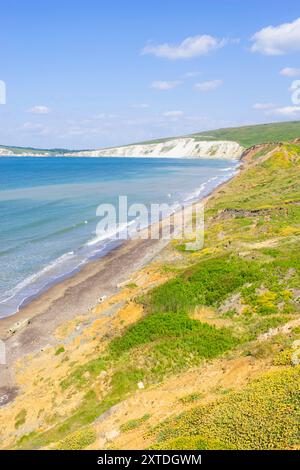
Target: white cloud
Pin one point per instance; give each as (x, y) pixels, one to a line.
(188, 48)
(287, 111)
(278, 40)
(39, 110)
(173, 114)
(290, 72)
(263, 106)
(164, 85)
(208, 86)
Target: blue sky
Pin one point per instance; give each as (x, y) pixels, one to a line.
(83, 74)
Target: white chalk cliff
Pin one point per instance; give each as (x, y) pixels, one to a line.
(184, 147)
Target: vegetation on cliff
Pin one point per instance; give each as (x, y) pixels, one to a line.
(238, 297)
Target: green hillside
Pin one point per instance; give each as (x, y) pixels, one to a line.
(252, 135)
(245, 135)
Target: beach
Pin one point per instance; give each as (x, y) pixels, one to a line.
(51, 226)
(31, 328)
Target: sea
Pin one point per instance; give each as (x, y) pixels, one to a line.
(49, 216)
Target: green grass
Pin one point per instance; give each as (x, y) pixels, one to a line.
(134, 423)
(247, 136)
(20, 418)
(89, 409)
(84, 374)
(59, 351)
(267, 185)
(265, 414)
(77, 440)
(173, 341)
(257, 134)
(191, 398)
(206, 283)
(263, 325)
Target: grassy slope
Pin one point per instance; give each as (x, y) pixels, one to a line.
(247, 136)
(253, 135)
(252, 256)
(264, 415)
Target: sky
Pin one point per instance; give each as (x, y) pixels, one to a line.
(99, 73)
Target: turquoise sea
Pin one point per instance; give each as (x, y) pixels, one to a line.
(48, 211)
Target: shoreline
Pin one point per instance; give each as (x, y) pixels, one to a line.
(78, 294)
(39, 284)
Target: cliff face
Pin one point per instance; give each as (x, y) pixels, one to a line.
(185, 147)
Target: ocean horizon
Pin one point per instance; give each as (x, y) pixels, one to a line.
(48, 211)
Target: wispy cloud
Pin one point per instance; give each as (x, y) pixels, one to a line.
(39, 110)
(165, 85)
(290, 72)
(190, 47)
(263, 106)
(208, 86)
(286, 111)
(278, 40)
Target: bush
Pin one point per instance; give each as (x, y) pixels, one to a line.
(191, 398)
(207, 283)
(20, 418)
(59, 351)
(176, 337)
(134, 423)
